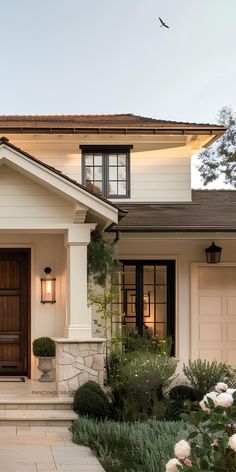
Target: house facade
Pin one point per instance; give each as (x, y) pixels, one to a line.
(63, 176)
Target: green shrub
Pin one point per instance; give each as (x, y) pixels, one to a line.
(184, 392)
(180, 399)
(130, 447)
(133, 342)
(91, 400)
(44, 347)
(204, 375)
(138, 385)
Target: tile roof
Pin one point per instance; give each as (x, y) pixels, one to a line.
(209, 210)
(97, 121)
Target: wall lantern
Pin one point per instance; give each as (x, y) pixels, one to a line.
(213, 254)
(48, 287)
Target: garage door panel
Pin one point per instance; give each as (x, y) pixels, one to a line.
(217, 277)
(211, 354)
(231, 358)
(210, 305)
(231, 305)
(210, 332)
(231, 331)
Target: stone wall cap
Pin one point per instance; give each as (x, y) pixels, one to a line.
(77, 340)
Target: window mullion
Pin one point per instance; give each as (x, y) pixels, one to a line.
(107, 174)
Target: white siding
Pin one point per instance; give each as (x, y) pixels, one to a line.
(160, 171)
(21, 197)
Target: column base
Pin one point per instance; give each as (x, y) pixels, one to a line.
(77, 361)
(77, 332)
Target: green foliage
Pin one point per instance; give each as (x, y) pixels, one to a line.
(220, 157)
(91, 400)
(107, 311)
(181, 393)
(181, 398)
(133, 342)
(204, 375)
(102, 263)
(212, 435)
(125, 447)
(44, 347)
(138, 383)
(107, 314)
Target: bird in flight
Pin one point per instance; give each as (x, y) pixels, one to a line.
(162, 23)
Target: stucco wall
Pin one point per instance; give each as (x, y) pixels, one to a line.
(46, 250)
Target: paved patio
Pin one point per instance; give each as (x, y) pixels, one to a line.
(43, 449)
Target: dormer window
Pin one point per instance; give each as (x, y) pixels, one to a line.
(106, 170)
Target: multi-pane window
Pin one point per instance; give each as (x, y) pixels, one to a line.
(106, 172)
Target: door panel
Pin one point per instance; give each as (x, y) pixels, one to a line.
(14, 311)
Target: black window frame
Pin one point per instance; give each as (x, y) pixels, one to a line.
(171, 293)
(105, 151)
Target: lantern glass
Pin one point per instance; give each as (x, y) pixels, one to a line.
(48, 288)
(213, 254)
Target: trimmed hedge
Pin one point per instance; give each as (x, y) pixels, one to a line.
(90, 400)
(44, 347)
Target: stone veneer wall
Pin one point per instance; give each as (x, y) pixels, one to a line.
(77, 362)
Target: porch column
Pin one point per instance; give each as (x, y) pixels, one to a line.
(78, 314)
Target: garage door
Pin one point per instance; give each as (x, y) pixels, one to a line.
(213, 313)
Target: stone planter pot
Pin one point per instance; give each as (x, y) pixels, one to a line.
(45, 364)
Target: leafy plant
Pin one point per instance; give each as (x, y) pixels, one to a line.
(220, 158)
(130, 447)
(181, 393)
(132, 341)
(179, 399)
(212, 443)
(107, 314)
(44, 347)
(204, 375)
(91, 400)
(138, 385)
(102, 262)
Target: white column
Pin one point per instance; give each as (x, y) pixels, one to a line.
(78, 314)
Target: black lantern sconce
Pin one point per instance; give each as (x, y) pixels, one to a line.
(48, 287)
(213, 254)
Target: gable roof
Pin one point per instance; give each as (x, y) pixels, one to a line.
(209, 210)
(4, 142)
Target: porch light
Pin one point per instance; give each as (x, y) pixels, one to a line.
(213, 254)
(48, 287)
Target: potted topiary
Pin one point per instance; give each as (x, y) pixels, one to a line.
(44, 349)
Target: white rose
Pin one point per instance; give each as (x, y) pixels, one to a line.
(221, 387)
(182, 449)
(171, 466)
(203, 406)
(224, 399)
(231, 390)
(211, 395)
(232, 442)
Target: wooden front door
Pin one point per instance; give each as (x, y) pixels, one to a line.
(14, 311)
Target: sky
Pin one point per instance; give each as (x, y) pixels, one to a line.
(112, 56)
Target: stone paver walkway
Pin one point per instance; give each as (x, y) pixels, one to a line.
(43, 449)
